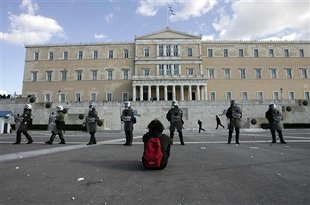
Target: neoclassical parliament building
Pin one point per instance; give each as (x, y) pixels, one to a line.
(168, 65)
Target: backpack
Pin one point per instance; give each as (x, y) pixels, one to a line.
(153, 154)
(236, 114)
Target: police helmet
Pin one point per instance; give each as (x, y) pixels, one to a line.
(174, 103)
(92, 105)
(127, 104)
(28, 107)
(59, 108)
(272, 105)
(233, 102)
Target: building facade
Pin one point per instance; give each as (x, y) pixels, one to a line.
(168, 65)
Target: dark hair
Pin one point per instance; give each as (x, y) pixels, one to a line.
(155, 127)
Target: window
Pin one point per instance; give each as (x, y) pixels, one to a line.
(146, 52)
(93, 97)
(175, 50)
(258, 73)
(95, 55)
(168, 70)
(34, 76)
(78, 97)
(161, 70)
(64, 75)
(227, 73)
(168, 50)
(275, 95)
(260, 96)
(126, 53)
(161, 50)
(36, 56)
(125, 96)
(291, 95)
(94, 74)
(211, 73)
(176, 69)
(307, 95)
(286, 52)
(47, 97)
(146, 71)
(244, 96)
(110, 53)
(289, 74)
(78, 75)
(49, 75)
(80, 57)
(210, 53)
(212, 95)
(273, 73)
(62, 97)
(50, 55)
(301, 53)
(66, 54)
(303, 73)
(190, 71)
(242, 73)
(109, 97)
(225, 52)
(110, 74)
(271, 54)
(228, 95)
(189, 51)
(255, 50)
(241, 52)
(125, 74)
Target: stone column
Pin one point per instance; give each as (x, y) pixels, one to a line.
(206, 92)
(182, 93)
(198, 92)
(190, 92)
(166, 93)
(157, 92)
(141, 92)
(173, 92)
(149, 95)
(134, 93)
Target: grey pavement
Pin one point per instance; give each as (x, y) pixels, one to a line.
(205, 171)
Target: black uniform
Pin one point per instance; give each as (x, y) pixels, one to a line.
(200, 126)
(234, 114)
(91, 124)
(60, 125)
(129, 120)
(274, 118)
(174, 116)
(218, 122)
(23, 127)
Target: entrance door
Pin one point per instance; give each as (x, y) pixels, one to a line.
(193, 96)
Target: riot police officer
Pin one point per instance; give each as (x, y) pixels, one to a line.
(129, 120)
(234, 114)
(274, 118)
(174, 116)
(91, 123)
(60, 125)
(26, 121)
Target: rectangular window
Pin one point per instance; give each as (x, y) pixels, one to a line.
(291, 95)
(146, 72)
(110, 53)
(255, 50)
(168, 70)
(275, 95)
(93, 97)
(125, 96)
(49, 75)
(271, 54)
(78, 75)
(175, 50)
(161, 70)
(64, 75)
(211, 73)
(161, 50)
(36, 56)
(66, 54)
(260, 96)
(227, 73)
(47, 98)
(228, 95)
(301, 53)
(273, 73)
(109, 97)
(190, 71)
(50, 55)
(110, 74)
(189, 51)
(176, 70)
(225, 51)
(307, 95)
(126, 53)
(286, 52)
(210, 53)
(62, 97)
(168, 50)
(94, 74)
(241, 54)
(125, 74)
(78, 97)
(146, 52)
(212, 95)
(244, 96)
(258, 73)
(95, 55)
(303, 73)
(242, 73)
(80, 57)
(34, 76)
(289, 74)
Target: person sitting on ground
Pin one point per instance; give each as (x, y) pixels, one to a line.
(156, 146)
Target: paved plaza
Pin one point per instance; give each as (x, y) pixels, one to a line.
(206, 170)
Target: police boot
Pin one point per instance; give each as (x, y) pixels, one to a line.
(18, 137)
(181, 138)
(51, 139)
(237, 136)
(62, 139)
(230, 136)
(281, 137)
(29, 138)
(171, 136)
(273, 134)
